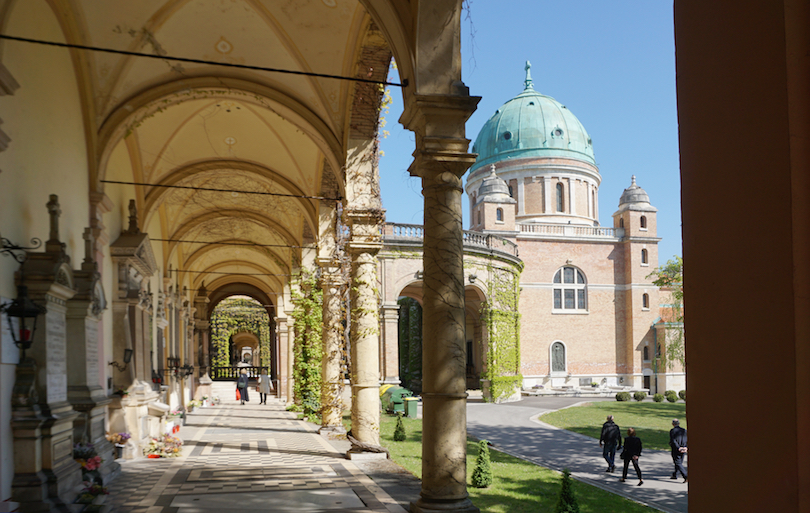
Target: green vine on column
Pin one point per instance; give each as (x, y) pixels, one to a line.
(308, 321)
(502, 318)
(236, 315)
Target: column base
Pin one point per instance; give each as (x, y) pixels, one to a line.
(443, 506)
(366, 456)
(331, 430)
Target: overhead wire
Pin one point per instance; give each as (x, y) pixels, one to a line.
(201, 61)
(215, 189)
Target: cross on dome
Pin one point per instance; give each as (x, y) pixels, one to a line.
(528, 81)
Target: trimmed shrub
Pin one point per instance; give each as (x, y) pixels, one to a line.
(482, 475)
(682, 395)
(568, 501)
(623, 396)
(639, 396)
(399, 430)
(658, 398)
(671, 396)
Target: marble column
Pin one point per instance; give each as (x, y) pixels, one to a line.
(332, 380)
(441, 160)
(84, 392)
(390, 343)
(290, 361)
(42, 418)
(365, 326)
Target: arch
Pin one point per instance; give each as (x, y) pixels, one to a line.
(219, 292)
(274, 282)
(645, 301)
(560, 197)
(499, 214)
(210, 248)
(621, 222)
(644, 257)
(646, 354)
(165, 95)
(154, 195)
(569, 290)
(558, 358)
(643, 222)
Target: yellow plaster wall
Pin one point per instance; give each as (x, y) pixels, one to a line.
(47, 155)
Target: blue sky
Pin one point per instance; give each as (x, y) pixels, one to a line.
(611, 63)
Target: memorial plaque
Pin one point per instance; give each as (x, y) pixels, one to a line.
(91, 349)
(56, 354)
(63, 449)
(9, 353)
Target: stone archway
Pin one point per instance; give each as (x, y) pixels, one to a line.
(246, 348)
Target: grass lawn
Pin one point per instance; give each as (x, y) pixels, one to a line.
(518, 486)
(651, 420)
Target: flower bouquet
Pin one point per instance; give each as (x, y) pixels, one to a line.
(166, 446)
(86, 456)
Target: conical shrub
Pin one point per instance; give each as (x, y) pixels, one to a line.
(568, 501)
(482, 475)
(399, 431)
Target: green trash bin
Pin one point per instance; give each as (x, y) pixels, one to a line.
(393, 399)
(410, 407)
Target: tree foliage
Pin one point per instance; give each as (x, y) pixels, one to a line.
(236, 315)
(482, 474)
(669, 278)
(308, 322)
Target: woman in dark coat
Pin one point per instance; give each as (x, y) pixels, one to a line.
(632, 450)
(242, 386)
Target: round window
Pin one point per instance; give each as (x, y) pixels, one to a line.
(557, 132)
(507, 135)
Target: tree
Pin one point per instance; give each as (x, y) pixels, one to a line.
(669, 277)
(482, 475)
(568, 501)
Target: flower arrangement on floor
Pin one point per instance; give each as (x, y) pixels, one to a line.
(86, 456)
(90, 492)
(166, 446)
(193, 404)
(119, 438)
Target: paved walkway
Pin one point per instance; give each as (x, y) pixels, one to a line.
(248, 459)
(514, 428)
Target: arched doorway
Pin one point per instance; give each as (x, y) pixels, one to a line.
(240, 336)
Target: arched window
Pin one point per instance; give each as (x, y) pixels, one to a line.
(646, 353)
(499, 215)
(560, 204)
(643, 222)
(621, 223)
(557, 357)
(569, 289)
(644, 259)
(645, 301)
(511, 193)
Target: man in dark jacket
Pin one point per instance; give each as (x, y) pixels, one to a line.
(609, 441)
(677, 441)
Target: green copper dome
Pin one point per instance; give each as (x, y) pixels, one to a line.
(532, 125)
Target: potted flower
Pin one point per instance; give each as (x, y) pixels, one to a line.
(92, 493)
(120, 441)
(86, 456)
(205, 402)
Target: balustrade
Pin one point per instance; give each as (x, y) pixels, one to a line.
(231, 373)
(415, 232)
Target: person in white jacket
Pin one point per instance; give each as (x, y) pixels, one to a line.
(265, 387)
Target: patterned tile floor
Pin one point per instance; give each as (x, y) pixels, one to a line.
(254, 458)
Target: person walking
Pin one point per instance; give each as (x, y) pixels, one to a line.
(242, 386)
(264, 388)
(632, 450)
(677, 441)
(609, 441)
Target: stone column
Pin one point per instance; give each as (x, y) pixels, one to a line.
(390, 343)
(84, 392)
(290, 360)
(441, 160)
(42, 418)
(281, 347)
(332, 379)
(365, 337)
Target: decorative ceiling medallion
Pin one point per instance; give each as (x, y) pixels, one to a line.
(223, 46)
(230, 141)
(330, 3)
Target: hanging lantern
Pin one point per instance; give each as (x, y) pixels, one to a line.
(26, 313)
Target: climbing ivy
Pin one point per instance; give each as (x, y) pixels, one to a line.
(308, 321)
(236, 315)
(502, 318)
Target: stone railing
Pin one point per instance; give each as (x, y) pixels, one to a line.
(231, 373)
(570, 230)
(395, 232)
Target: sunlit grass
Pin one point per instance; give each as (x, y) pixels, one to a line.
(652, 421)
(518, 486)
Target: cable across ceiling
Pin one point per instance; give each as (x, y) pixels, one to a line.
(213, 189)
(201, 61)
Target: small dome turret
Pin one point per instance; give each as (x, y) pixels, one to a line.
(634, 194)
(494, 189)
